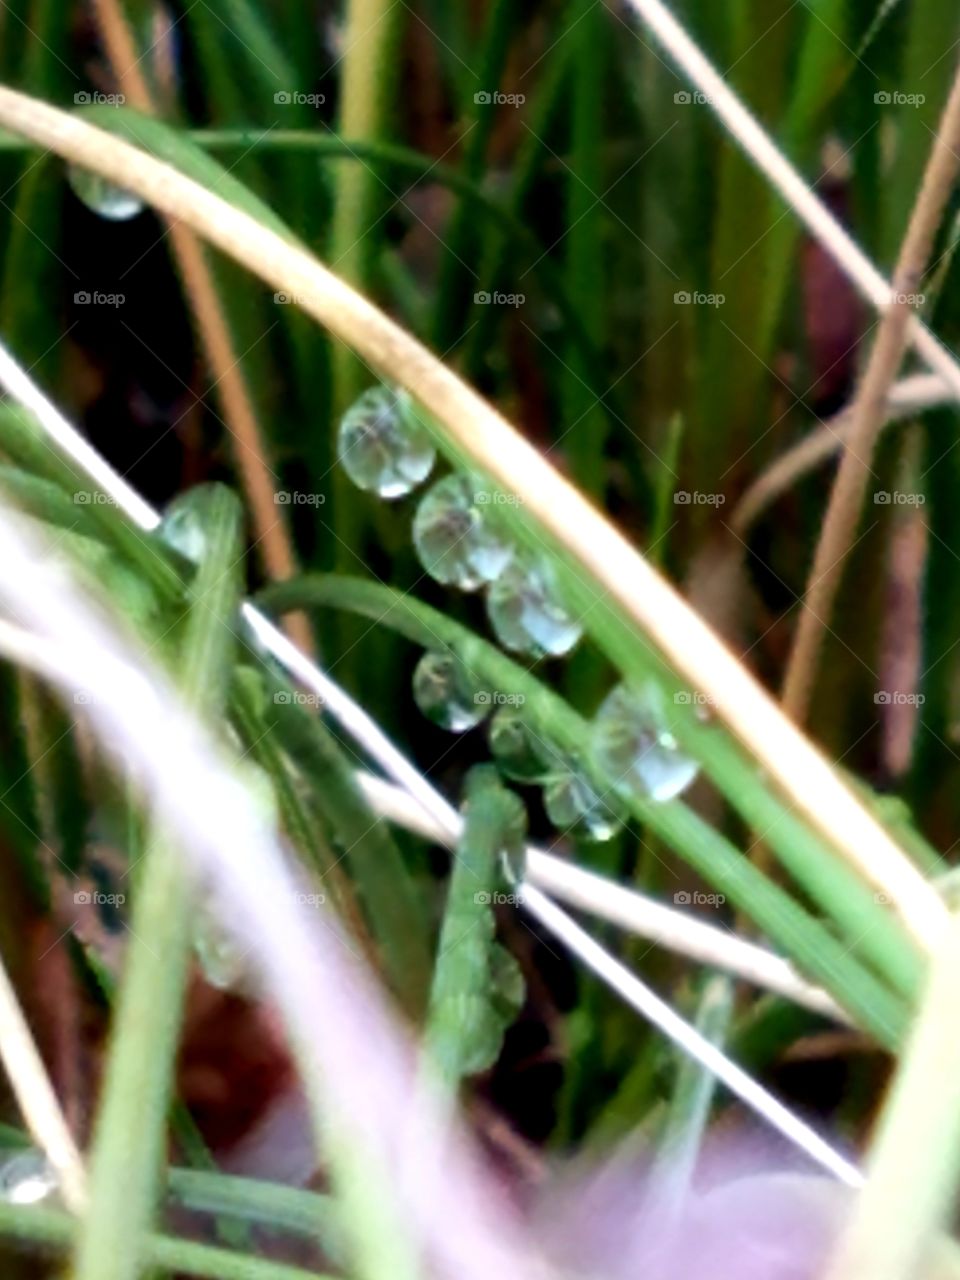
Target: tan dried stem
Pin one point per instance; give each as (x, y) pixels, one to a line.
(619, 573)
(846, 497)
(271, 537)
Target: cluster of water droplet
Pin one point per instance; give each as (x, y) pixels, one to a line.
(458, 533)
(570, 800)
(461, 541)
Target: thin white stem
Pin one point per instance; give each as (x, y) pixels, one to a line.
(794, 188)
(635, 912)
(36, 1098)
(118, 707)
(64, 662)
(487, 442)
(640, 997)
(417, 804)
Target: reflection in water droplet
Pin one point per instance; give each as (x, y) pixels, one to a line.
(511, 744)
(182, 528)
(520, 753)
(634, 746)
(442, 692)
(382, 444)
(27, 1177)
(458, 540)
(574, 807)
(102, 197)
(221, 959)
(525, 610)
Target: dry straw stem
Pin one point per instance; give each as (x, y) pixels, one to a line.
(912, 395)
(846, 497)
(36, 1098)
(794, 188)
(272, 540)
(804, 776)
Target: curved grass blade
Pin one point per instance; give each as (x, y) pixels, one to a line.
(811, 945)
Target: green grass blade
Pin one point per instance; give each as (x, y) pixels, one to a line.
(267, 1204)
(54, 1229)
(813, 948)
(391, 901)
(465, 1022)
(130, 1131)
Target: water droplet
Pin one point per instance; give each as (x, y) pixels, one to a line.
(382, 444)
(574, 807)
(442, 692)
(223, 956)
(27, 1178)
(221, 959)
(519, 754)
(182, 529)
(526, 612)
(635, 747)
(457, 538)
(102, 197)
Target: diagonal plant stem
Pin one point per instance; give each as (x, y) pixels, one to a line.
(912, 395)
(640, 997)
(124, 697)
(36, 1097)
(846, 497)
(272, 540)
(636, 912)
(635, 595)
